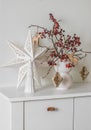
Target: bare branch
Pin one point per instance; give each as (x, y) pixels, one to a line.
(48, 72)
(85, 51)
(55, 47)
(38, 27)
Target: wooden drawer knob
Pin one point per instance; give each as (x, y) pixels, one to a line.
(51, 109)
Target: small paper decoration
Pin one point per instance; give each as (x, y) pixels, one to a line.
(57, 79)
(36, 39)
(73, 59)
(84, 72)
(29, 57)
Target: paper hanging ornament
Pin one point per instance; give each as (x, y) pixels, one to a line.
(84, 72)
(73, 59)
(57, 79)
(29, 57)
(36, 39)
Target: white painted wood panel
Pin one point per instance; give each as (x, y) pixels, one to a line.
(77, 90)
(4, 114)
(17, 116)
(19, 111)
(38, 118)
(82, 113)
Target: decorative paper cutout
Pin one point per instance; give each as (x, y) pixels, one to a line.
(57, 79)
(36, 38)
(73, 59)
(84, 72)
(29, 57)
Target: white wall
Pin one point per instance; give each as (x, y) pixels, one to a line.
(17, 15)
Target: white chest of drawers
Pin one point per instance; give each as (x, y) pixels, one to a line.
(48, 109)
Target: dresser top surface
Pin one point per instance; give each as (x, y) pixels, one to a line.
(77, 90)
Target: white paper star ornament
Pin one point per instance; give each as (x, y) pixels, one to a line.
(28, 58)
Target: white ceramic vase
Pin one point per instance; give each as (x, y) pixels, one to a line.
(65, 74)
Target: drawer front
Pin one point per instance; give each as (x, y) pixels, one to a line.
(49, 114)
(82, 113)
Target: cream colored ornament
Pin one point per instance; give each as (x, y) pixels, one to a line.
(73, 59)
(36, 38)
(29, 57)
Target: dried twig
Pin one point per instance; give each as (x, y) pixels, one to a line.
(48, 71)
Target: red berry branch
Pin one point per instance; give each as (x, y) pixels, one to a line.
(64, 47)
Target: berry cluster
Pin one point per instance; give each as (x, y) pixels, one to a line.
(63, 45)
(69, 65)
(56, 24)
(51, 63)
